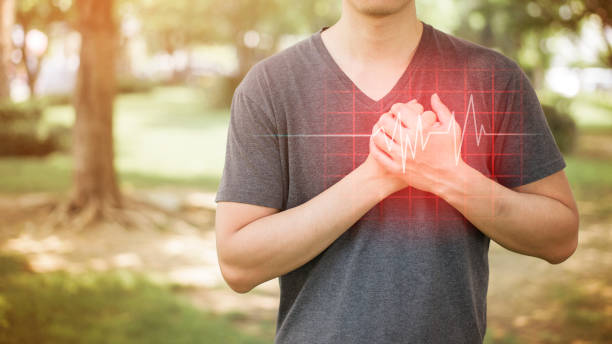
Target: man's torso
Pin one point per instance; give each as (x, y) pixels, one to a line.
(412, 269)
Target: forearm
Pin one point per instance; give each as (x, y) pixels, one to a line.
(279, 243)
(530, 224)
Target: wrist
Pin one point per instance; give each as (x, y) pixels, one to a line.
(453, 184)
(371, 178)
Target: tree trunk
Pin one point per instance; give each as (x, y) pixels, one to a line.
(7, 19)
(31, 70)
(95, 182)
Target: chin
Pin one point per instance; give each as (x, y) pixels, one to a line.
(379, 8)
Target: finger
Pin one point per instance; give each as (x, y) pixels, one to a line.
(444, 114)
(414, 104)
(386, 144)
(407, 112)
(404, 119)
(428, 118)
(383, 158)
(391, 127)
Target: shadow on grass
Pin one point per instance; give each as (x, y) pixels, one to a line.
(570, 312)
(101, 307)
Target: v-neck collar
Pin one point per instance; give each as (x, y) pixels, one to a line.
(404, 78)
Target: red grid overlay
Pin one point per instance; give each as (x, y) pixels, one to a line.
(349, 117)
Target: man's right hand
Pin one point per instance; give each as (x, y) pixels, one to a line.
(414, 148)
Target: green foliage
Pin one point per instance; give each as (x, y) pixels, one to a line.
(41, 14)
(118, 307)
(563, 128)
(171, 25)
(134, 85)
(518, 28)
(593, 111)
(169, 124)
(19, 134)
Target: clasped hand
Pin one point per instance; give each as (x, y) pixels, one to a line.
(414, 147)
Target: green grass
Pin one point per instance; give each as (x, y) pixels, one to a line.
(165, 137)
(491, 337)
(580, 315)
(589, 176)
(53, 174)
(111, 307)
(582, 311)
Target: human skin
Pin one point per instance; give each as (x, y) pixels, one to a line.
(538, 219)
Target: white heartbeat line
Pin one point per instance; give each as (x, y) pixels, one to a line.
(407, 144)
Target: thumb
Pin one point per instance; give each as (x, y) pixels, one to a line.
(444, 114)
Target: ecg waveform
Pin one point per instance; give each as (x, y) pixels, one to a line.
(409, 147)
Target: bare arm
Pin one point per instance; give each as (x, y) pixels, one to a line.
(256, 244)
(538, 219)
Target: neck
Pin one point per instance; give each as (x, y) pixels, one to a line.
(366, 38)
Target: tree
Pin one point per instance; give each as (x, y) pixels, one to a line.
(572, 14)
(517, 27)
(41, 15)
(95, 182)
(173, 25)
(269, 20)
(7, 18)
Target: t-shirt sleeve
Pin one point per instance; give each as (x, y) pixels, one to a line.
(526, 150)
(252, 172)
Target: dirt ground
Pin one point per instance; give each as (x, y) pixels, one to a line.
(181, 253)
(524, 302)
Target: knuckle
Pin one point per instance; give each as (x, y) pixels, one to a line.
(387, 116)
(387, 123)
(418, 107)
(378, 140)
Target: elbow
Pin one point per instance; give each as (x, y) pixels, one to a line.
(560, 256)
(237, 279)
(561, 253)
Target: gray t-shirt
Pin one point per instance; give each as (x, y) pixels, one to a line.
(412, 269)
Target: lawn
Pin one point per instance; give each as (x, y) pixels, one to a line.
(166, 137)
(117, 307)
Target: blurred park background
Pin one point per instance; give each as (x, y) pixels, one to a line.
(113, 123)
